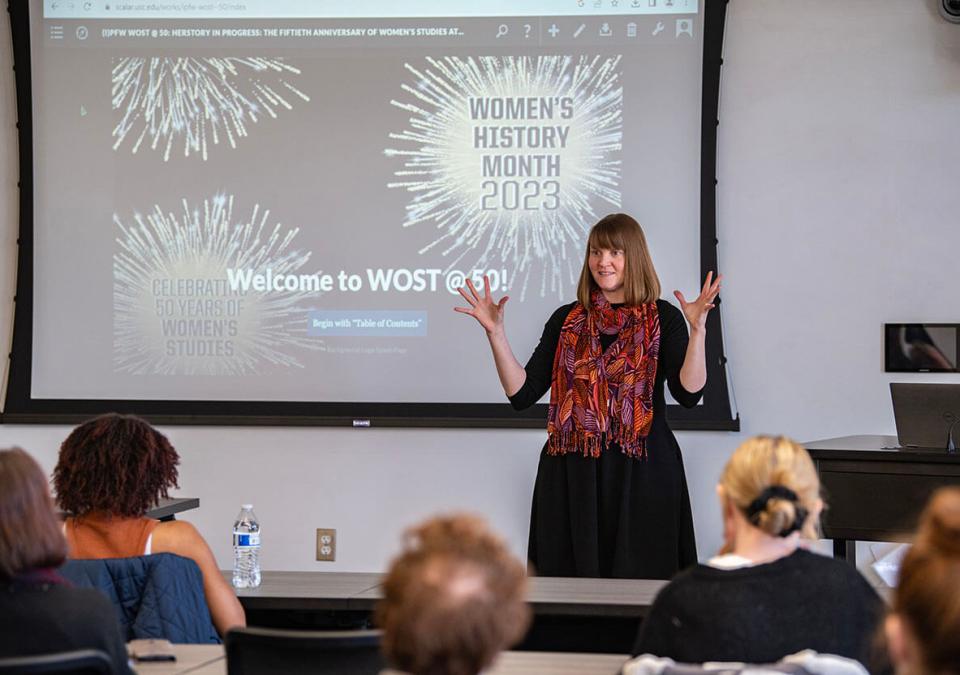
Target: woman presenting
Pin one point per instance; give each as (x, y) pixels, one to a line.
(611, 497)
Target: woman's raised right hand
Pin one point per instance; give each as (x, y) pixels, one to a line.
(482, 308)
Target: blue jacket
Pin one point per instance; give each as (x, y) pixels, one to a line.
(156, 596)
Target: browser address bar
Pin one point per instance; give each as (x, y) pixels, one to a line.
(355, 9)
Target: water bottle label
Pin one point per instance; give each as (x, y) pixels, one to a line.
(246, 539)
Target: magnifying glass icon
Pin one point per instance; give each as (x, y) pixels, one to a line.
(502, 30)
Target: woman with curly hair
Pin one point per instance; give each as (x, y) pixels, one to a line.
(41, 612)
(111, 470)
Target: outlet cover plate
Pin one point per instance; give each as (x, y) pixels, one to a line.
(326, 544)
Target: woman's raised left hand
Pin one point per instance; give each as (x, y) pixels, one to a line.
(696, 311)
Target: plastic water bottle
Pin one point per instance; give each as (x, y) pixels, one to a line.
(246, 549)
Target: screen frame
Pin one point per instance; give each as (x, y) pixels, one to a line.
(713, 413)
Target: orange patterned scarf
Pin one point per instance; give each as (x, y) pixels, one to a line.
(601, 397)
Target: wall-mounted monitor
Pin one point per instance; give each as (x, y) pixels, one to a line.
(921, 347)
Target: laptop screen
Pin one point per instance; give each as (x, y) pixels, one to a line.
(925, 413)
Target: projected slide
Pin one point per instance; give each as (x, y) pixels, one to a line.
(506, 156)
(185, 292)
(164, 102)
(276, 202)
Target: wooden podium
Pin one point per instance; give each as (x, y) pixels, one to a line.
(874, 489)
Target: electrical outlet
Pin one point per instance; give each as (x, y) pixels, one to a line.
(326, 544)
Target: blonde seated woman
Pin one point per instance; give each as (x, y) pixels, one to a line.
(765, 596)
(112, 469)
(923, 630)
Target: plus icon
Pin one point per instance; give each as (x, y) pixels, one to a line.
(553, 30)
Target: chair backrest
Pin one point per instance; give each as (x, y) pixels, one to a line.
(259, 651)
(156, 596)
(78, 662)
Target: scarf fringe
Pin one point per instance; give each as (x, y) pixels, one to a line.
(591, 445)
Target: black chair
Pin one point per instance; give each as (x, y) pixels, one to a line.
(79, 662)
(265, 651)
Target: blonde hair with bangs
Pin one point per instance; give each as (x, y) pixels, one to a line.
(618, 231)
(764, 461)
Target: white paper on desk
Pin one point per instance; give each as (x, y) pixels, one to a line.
(887, 566)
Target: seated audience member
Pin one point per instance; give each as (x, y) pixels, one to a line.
(923, 630)
(111, 470)
(765, 596)
(452, 600)
(41, 612)
(805, 663)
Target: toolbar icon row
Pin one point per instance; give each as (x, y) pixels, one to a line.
(682, 27)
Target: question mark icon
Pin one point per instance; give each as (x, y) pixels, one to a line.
(526, 30)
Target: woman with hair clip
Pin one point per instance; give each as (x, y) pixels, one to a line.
(41, 613)
(765, 596)
(923, 629)
(113, 468)
(610, 499)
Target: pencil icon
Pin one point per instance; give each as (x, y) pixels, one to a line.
(579, 30)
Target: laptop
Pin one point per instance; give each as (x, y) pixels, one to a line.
(925, 415)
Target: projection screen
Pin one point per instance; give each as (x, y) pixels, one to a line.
(261, 210)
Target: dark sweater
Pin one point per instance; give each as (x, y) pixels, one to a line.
(760, 614)
(44, 618)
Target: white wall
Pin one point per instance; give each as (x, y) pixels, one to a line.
(839, 209)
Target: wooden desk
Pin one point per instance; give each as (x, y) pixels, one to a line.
(587, 615)
(166, 509)
(556, 596)
(875, 490)
(557, 663)
(199, 659)
(309, 591)
(562, 596)
(210, 660)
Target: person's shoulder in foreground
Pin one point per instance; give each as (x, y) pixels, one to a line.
(40, 612)
(923, 626)
(803, 663)
(54, 617)
(802, 573)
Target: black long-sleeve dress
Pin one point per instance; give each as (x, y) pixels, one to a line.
(613, 516)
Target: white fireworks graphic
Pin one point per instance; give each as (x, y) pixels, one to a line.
(168, 102)
(527, 206)
(174, 310)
